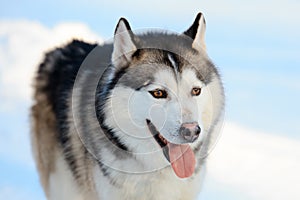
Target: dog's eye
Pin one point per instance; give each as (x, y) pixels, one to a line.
(159, 94)
(196, 91)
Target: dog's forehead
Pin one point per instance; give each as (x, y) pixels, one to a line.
(185, 79)
(169, 66)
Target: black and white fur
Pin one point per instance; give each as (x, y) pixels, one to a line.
(77, 161)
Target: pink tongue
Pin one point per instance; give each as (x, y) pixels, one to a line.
(182, 159)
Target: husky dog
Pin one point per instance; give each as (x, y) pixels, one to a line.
(131, 119)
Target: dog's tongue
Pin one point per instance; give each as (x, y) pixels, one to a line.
(182, 159)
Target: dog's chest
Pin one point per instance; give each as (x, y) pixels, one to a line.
(159, 186)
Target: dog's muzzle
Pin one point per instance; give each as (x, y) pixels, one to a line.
(181, 156)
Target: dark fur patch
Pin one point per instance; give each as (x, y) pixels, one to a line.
(192, 31)
(104, 89)
(58, 71)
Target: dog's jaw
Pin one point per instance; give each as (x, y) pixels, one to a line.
(181, 156)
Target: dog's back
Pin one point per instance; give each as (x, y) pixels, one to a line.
(53, 84)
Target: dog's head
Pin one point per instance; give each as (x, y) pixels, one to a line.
(162, 92)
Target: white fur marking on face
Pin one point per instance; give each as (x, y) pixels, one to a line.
(196, 108)
(190, 77)
(174, 65)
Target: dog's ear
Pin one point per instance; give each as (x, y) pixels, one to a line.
(197, 32)
(124, 46)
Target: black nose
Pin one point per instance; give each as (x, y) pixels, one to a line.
(190, 131)
(197, 130)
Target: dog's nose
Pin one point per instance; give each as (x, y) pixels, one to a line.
(190, 131)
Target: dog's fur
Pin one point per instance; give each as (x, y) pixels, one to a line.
(95, 141)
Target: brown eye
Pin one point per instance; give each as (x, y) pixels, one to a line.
(196, 91)
(159, 94)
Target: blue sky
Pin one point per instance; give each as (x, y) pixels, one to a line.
(255, 44)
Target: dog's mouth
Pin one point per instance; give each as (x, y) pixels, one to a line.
(181, 156)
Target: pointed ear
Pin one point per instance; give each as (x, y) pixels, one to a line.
(197, 32)
(124, 46)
